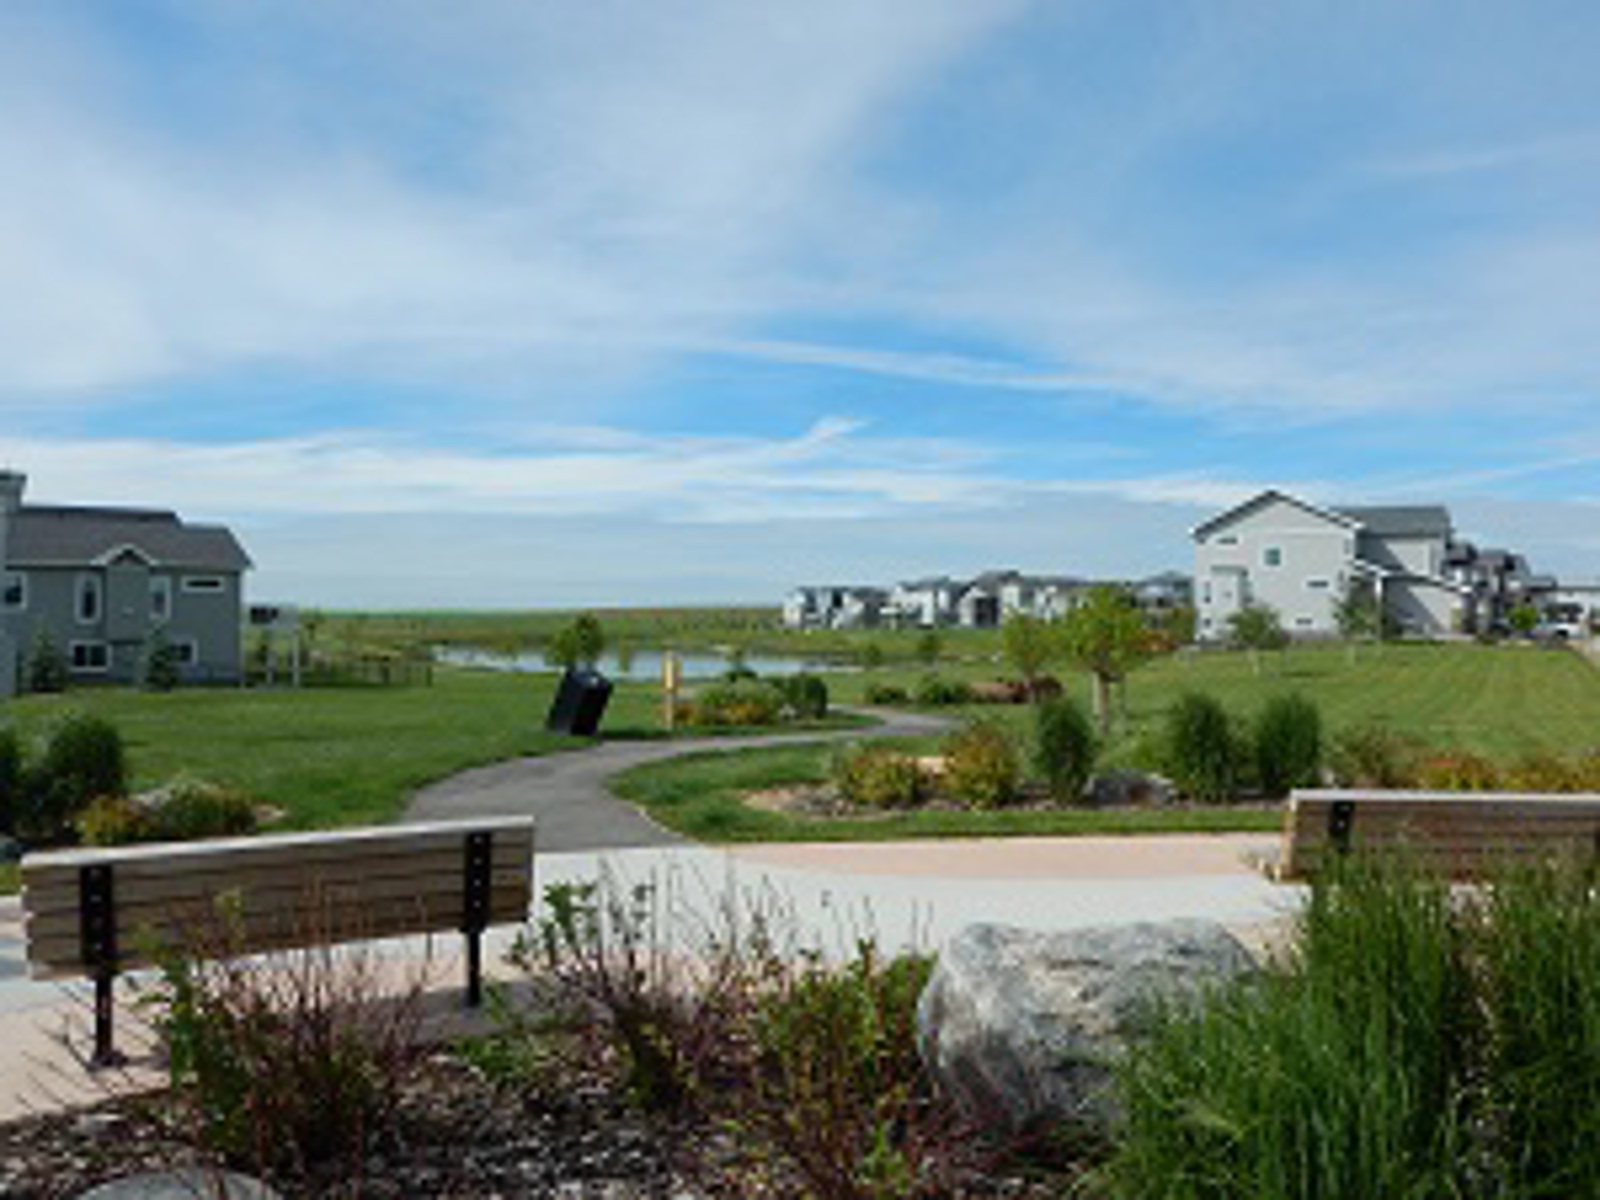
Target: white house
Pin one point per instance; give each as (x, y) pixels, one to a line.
(834, 607)
(1300, 559)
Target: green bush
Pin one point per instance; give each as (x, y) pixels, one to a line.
(886, 693)
(161, 672)
(1288, 745)
(746, 702)
(11, 779)
(935, 692)
(878, 777)
(82, 760)
(1064, 747)
(47, 668)
(805, 694)
(981, 765)
(1457, 771)
(195, 808)
(1202, 752)
(115, 821)
(1374, 756)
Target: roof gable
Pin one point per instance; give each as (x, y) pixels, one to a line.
(1407, 520)
(1261, 500)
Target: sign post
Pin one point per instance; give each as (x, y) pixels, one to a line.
(671, 684)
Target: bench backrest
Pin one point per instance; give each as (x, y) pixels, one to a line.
(1462, 834)
(292, 889)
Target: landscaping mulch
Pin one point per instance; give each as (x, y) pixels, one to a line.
(457, 1136)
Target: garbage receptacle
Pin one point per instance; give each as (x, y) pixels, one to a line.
(580, 702)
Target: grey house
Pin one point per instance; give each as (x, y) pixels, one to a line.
(104, 580)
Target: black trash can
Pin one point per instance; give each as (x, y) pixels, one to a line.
(580, 702)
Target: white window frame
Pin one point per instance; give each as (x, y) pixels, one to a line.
(20, 578)
(204, 585)
(87, 584)
(160, 588)
(185, 651)
(1228, 539)
(83, 668)
(1272, 556)
(1317, 585)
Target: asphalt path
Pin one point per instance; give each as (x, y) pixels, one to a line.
(567, 792)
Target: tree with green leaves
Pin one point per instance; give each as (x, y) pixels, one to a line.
(1524, 618)
(1358, 614)
(929, 646)
(1256, 627)
(1105, 636)
(47, 668)
(1028, 644)
(580, 644)
(870, 656)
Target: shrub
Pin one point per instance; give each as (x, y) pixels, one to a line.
(1064, 747)
(747, 702)
(115, 821)
(82, 760)
(1201, 750)
(1457, 771)
(805, 694)
(980, 765)
(1288, 744)
(161, 672)
(193, 808)
(878, 777)
(1373, 756)
(11, 779)
(284, 1061)
(934, 692)
(1546, 773)
(886, 693)
(47, 668)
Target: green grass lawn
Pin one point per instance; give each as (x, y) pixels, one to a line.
(1500, 701)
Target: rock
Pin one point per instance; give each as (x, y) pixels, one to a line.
(1023, 1028)
(189, 1183)
(1113, 789)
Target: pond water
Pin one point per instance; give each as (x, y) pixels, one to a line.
(643, 665)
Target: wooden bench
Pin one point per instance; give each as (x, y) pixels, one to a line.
(1464, 834)
(97, 912)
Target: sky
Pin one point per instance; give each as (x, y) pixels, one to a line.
(516, 303)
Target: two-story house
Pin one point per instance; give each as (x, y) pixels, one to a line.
(1301, 560)
(104, 580)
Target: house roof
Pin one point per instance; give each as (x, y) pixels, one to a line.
(1412, 520)
(66, 535)
(1260, 500)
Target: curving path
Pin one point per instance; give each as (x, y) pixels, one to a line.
(566, 792)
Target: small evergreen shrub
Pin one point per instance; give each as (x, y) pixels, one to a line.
(747, 702)
(82, 760)
(1373, 756)
(935, 692)
(1201, 749)
(878, 777)
(886, 693)
(805, 694)
(1064, 747)
(47, 668)
(161, 672)
(1288, 744)
(981, 765)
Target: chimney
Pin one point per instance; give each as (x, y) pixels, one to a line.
(11, 485)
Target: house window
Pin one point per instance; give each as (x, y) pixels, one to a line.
(1316, 585)
(1228, 540)
(160, 597)
(88, 599)
(1303, 622)
(186, 650)
(1205, 593)
(1272, 556)
(14, 591)
(203, 583)
(90, 656)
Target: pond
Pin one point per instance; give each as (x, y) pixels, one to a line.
(643, 665)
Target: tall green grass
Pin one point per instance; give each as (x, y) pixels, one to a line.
(1413, 1043)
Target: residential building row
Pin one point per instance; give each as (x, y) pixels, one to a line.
(1302, 560)
(102, 581)
(979, 603)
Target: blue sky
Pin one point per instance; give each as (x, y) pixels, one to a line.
(526, 303)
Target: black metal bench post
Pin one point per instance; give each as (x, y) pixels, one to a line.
(97, 934)
(477, 877)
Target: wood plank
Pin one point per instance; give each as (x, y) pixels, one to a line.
(158, 858)
(61, 892)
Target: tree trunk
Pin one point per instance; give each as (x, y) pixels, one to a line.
(1102, 703)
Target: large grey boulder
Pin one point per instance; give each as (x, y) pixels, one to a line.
(1024, 1028)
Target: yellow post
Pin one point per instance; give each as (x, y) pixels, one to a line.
(671, 682)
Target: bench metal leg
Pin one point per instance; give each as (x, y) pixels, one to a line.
(474, 968)
(105, 1050)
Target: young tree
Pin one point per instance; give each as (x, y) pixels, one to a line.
(1524, 618)
(1256, 628)
(578, 645)
(47, 669)
(161, 673)
(1358, 615)
(929, 647)
(1028, 646)
(1105, 636)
